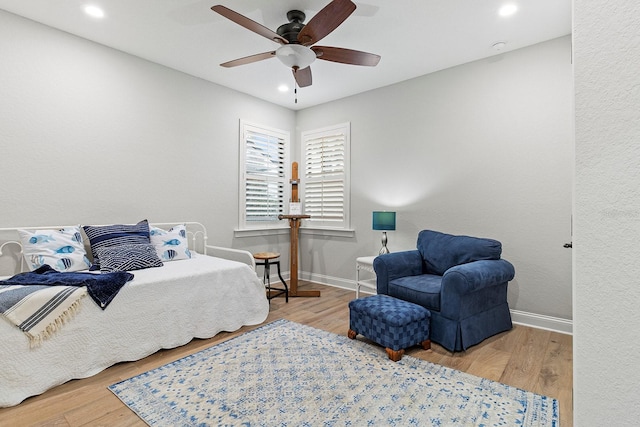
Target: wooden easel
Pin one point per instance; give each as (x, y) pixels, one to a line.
(294, 224)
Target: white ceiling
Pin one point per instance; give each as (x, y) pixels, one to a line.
(414, 37)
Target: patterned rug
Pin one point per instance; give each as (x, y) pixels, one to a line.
(287, 374)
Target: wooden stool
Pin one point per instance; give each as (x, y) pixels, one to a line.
(267, 259)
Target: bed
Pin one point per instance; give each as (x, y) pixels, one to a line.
(215, 290)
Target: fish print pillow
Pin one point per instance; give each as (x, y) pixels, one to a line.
(61, 249)
(170, 245)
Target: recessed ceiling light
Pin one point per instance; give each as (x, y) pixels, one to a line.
(508, 9)
(283, 88)
(499, 45)
(94, 11)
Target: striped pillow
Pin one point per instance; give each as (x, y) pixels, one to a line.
(115, 235)
(128, 257)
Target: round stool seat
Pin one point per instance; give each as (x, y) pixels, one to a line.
(266, 260)
(266, 255)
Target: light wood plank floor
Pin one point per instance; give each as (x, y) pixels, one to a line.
(532, 359)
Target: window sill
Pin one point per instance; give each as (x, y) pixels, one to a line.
(337, 232)
(257, 232)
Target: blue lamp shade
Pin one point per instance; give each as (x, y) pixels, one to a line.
(384, 220)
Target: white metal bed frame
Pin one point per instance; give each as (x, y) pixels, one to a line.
(12, 260)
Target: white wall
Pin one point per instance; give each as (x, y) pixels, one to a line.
(91, 135)
(607, 212)
(484, 149)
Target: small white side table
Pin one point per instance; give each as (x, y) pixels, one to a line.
(365, 263)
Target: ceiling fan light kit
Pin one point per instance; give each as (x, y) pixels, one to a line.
(297, 39)
(295, 55)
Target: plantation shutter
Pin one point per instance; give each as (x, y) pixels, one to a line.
(265, 159)
(325, 176)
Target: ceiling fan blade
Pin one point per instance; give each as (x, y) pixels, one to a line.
(249, 59)
(346, 56)
(248, 24)
(303, 76)
(325, 21)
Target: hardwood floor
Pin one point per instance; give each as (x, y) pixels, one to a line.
(532, 359)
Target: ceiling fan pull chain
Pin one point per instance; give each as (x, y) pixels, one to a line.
(295, 90)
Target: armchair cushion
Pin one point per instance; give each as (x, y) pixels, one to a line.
(442, 251)
(423, 289)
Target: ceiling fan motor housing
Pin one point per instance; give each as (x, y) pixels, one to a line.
(290, 30)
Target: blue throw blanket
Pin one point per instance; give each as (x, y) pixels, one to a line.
(102, 288)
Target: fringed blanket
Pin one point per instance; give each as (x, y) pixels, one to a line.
(39, 311)
(102, 288)
(39, 302)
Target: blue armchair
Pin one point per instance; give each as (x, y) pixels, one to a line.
(460, 279)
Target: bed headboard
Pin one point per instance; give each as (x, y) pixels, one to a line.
(12, 261)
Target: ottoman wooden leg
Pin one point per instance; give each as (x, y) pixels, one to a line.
(352, 334)
(426, 344)
(394, 355)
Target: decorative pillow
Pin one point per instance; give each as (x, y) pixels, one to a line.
(128, 257)
(62, 249)
(115, 235)
(170, 245)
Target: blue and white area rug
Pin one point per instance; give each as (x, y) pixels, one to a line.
(287, 374)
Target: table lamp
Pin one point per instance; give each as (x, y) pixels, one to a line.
(383, 220)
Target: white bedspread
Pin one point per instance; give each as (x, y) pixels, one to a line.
(161, 307)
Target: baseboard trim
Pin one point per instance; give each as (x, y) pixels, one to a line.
(533, 320)
(539, 321)
(336, 282)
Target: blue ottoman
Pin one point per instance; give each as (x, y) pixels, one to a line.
(390, 322)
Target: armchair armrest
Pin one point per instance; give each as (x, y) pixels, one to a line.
(396, 264)
(473, 276)
(470, 288)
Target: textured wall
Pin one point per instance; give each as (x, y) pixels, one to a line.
(607, 213)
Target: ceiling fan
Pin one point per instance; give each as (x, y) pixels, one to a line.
(298, 40)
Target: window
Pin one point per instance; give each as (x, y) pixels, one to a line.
(264, 160)
(326, 176)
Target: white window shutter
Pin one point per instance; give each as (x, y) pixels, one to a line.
(326, 176)
(264, 160)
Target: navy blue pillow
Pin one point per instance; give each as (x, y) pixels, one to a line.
(104, 236)
(128, 257)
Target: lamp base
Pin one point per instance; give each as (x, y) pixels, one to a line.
(384, 249)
